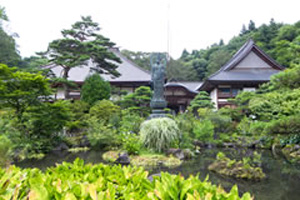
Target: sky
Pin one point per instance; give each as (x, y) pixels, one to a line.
(144, 25)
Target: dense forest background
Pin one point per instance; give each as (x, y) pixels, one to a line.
(278, 40)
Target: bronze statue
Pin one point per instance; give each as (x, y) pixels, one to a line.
(158, 63)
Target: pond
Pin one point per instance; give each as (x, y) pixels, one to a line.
(282, 182)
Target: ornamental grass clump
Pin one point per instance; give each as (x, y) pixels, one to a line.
(159, 134)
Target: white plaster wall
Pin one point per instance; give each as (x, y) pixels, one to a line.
(252, 61)
(249, 89)
(213, 96)
(60, 94)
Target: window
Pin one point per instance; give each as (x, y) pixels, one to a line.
(235, 91)
(224, 90)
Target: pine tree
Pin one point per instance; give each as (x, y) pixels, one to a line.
(81, 44)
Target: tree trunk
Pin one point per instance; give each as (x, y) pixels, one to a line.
(65, 85)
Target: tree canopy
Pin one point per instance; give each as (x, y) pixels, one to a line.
(80, 45)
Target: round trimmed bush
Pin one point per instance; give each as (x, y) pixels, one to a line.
(159, 134)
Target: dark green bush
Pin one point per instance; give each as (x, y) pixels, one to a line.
(101, 135)
(104, 110)
(95, 89)
(284, 125)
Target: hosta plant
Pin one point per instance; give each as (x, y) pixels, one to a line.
(69, 181)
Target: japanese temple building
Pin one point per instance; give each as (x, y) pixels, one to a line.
(245, 71)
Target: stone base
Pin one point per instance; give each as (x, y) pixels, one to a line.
(157, 114)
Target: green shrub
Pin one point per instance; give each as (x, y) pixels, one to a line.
(185, 124)
(130, 122)
(138, 102)
(85, 181)
(203, 130)
(79, 110)
(131, 143)
(291, 139)
(284, 125)
(5, 150)
(101, 135)
(95, 89)
(202, 100)
(159, 134)
(104, 110)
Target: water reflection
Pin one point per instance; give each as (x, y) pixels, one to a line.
(282, 182)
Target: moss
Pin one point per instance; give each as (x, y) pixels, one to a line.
(145, 159)
(110, 156)
(37, 156)
(291, 153)
(238, 169)
(78, 149)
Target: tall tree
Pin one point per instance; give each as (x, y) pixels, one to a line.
(8, 51)
(82, 44)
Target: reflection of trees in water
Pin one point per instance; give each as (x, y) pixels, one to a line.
(282, 182)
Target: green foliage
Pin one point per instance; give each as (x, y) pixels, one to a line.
(46, 119)
(248, 127)
(85, 181)
(80, 45)
(131, 143)
(202, 100)
(138, 102)
(130, 123)
(159, 134)
(247, 168)
(274, 105)
(203, 130)
(284, 125)
(79, 110)
(185, 124)
(5, 150)
(94, 89)
(19, 90)
(287, 79)
(104, 110)
(101, 135)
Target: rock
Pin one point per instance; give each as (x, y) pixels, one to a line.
(296, 147)
(123, 159)
(150, 178)
(198, 143)
(188, 154)
(61, 147)
(178, 153)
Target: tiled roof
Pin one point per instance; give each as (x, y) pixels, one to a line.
(228, 72)
(129, 71)
(190, 86)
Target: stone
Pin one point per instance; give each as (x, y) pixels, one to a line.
(61, 147)
(150, 178)
(123, 159)
(178, 153)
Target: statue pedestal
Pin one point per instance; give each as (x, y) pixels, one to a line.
(158, 107)
(157, 114)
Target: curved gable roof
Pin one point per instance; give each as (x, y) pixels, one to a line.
(229, 72)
